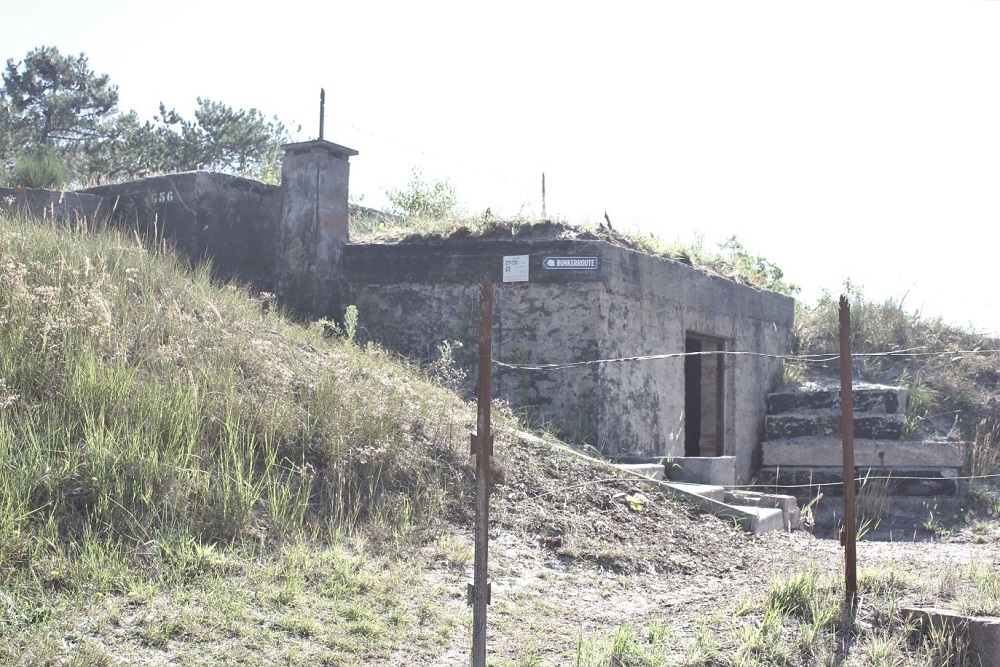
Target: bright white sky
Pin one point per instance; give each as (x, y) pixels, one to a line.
(849, 139)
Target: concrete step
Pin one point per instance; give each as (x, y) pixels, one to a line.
(757, 518)
(710, 491)
(827, 423)
(806, 482)
(653, 471)
(819, 451)
(786, 503)
(866, 398)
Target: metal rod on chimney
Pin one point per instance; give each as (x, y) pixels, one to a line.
(322, 111)
(543, 195)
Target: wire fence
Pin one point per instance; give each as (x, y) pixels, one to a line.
(953, 355)
(742, 487)
(956, 355)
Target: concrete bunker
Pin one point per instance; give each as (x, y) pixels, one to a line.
(613, 303)
(562, 297)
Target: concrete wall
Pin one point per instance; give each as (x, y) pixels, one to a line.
(62, 207)
(657, 303)
(232, 220)
(413, 296)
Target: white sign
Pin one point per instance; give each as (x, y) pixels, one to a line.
(515, 269)
(571, 263)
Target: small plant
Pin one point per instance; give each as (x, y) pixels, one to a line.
(348, 331)
(919, 401)
(945, 643)
(445, 369)
(40, 171)
(984, 457)
(423, 199)
(757, 270)
(932, 524)
(791, 373)
(873, 504)
(351, 323)
(795, 595)
(452, 552)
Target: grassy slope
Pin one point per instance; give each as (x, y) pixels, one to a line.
(163, 439)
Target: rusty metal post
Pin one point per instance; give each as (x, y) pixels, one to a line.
(482, 449)
(848, 534)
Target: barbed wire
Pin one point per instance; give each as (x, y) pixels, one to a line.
(804, 358)
(739, 487)
(866, 478)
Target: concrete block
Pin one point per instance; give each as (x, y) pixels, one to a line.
(414, 294)
(758, 519)
(718, 470)
(872, 398)
(980, 635)
(787, 504)
(868, 426)
(828, 451)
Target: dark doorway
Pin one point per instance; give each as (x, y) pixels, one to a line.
(703, 397)
(692, 398)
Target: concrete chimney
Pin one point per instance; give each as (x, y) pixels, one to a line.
(313, 231)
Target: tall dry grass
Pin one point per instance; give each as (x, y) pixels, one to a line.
(141, 404)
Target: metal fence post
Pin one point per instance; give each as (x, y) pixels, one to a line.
(482, 449)
(848, 536)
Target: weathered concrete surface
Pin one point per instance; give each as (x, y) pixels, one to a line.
(653, 305)
(820, 452)
(228, 219)
(866, 398)
(981, 634)
(313, 229)
(52, 205)
(827, 423)
(411, 296)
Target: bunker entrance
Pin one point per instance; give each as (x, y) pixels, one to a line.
(703, 396)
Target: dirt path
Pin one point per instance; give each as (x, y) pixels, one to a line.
(577, 551)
